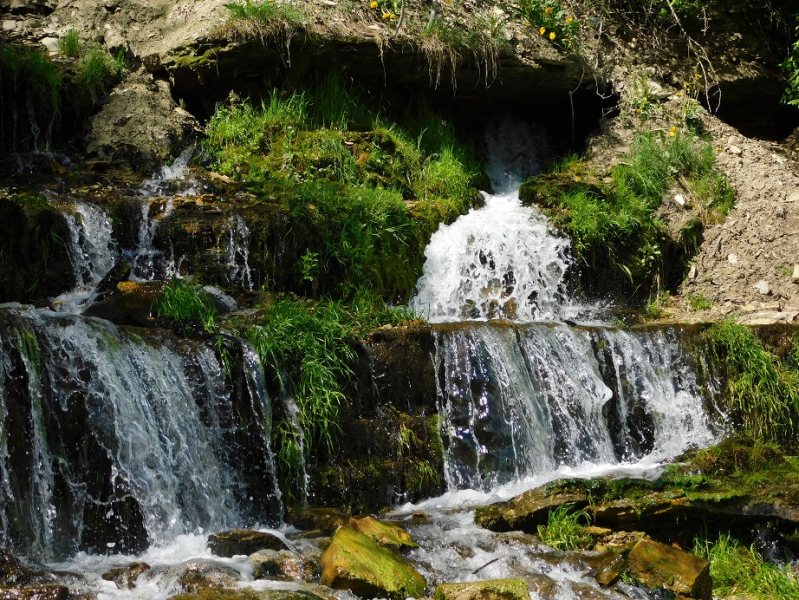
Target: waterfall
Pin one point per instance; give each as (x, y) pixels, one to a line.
(237, 253)
(500, 261)
(113, 442)
(524, 401)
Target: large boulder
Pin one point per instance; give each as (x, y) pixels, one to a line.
(659, 566)
(353, 561)
(495, 589)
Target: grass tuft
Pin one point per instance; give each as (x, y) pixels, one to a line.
(563, 530)
(182, 301)
(99, 69)
(69, 44)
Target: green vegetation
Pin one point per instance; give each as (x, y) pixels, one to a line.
(612, 220)
(262, 19)
(791, 68)
(38, 73)
(740, 571)
(99, 69)
(181, 301)
(563, 530)
(307, 348)
(551, 20)
(69, 44)
(368, 191)
(762, 391)
(697, 302)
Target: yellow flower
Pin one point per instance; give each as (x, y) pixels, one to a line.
(552, 35)
(386, 15)
(698, 75)
(638, 111)
(526, 24)
(373, 4)
(673, 131)
(542, 30)
(564, 39)
(678, 94)
(392, 16)
(447, 1)
(577, 178)
(569, 19)
(548, 10)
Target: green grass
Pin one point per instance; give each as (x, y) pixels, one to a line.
(762, 391)
(697, 302)
(181, 301)
(612, 221)
(69, 44)
(99, 69)
(370, 189)
(262, 19)
(741, 571)
(563, 530)
(43, 79)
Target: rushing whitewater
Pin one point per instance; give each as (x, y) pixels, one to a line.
(500, 261)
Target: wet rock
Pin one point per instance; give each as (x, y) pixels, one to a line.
(223, 303)
(385, 534)
(201, 575)
(495, 589)
(527, 511)
(243, 541)
(354, 562)
(129, 304)
(125, 577)
(322, 519)
(657, 565)
(42, 592)
(280, 564)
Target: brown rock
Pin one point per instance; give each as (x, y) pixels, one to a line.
(41, 592)
(657, 565)
(280, 564)
(323, 519)
(243, 541)
(125, 577)
(526, 511)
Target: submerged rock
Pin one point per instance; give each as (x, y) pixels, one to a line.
(354, 562)
(495, 589)
(243, 541)
(125, 577)
(657, 565)
(280, 564)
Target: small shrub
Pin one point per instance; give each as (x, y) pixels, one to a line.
(740, 571)
(69, 44)
(563, 530)
(182, 301)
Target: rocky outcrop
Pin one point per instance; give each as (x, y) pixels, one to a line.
(354, 562)
(382, 533)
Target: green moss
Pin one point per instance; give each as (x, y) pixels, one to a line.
(497, 589)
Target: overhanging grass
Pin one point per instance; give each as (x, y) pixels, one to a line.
(564, 530)
(762, 392)
(181, 301)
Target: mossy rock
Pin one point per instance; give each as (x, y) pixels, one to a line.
(354, 562)
(316, 519)
(657, 565)
(243, 541)
(495, 589)
(527, 511)
(385, 534)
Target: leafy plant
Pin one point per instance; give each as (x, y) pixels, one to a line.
(551, 20)
(791, 68)
(563, 530)
(697, 302)
(182, 301)
(99, 69)
(738, 570)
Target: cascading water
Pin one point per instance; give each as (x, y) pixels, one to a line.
(92, 252)
(114, 442)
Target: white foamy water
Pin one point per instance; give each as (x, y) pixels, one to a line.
(502, 261)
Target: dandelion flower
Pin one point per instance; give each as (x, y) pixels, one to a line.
(526, 24)
(386, 15)
(548, 10)
(447, 1)
(542, 30)
(569, 19)
(552, 35)
(698, 75)
(673, 131)
(373, 4)
(392, 16)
